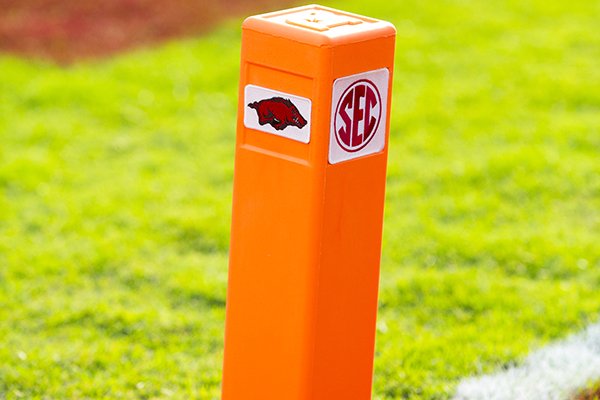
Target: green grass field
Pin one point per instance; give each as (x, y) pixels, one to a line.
(115, 194)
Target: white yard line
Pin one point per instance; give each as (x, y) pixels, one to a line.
(554, 372)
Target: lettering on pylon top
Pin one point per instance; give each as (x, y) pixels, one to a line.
(319, 25)
(321, 20)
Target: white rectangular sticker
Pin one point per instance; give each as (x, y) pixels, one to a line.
(358, 115)
(278, 113)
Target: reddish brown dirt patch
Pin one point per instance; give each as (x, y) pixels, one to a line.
(590, 394)
(66, 30)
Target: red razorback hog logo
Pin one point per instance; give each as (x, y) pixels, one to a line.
(357, 115)
(278, 112)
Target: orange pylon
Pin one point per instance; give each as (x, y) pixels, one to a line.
(309, 186)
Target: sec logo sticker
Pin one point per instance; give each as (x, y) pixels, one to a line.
(358, 115)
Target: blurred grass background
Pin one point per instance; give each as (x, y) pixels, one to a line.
(115, 191)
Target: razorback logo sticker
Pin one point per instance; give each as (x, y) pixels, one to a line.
(358, 115)
(278, 113)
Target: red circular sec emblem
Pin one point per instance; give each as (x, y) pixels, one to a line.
(357, 115)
